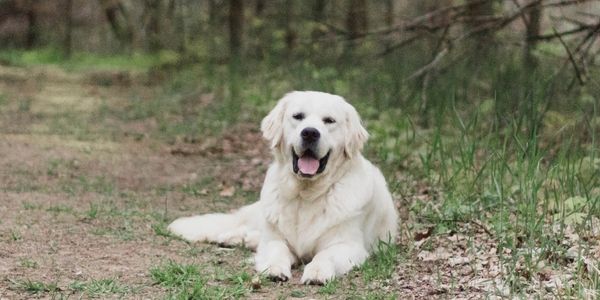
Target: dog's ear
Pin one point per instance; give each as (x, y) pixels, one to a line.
(356, 134)
(272, 125)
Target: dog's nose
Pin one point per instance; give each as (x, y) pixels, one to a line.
(310, 134)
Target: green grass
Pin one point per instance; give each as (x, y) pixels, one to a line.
(100, 287)
(85, 61)
(28, 263)
(382, 264)
(15, 235)
(92, 212)
(186, 281)
(37, 287)
(60, 208)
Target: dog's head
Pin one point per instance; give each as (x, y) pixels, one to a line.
(314, 130)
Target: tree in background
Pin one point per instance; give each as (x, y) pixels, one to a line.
(478, 26)
(153, 17)
(290, 33)
(68, 40)
(533, 28)
(357, 18)
(236, 23)
(119, 20)
(33, 29)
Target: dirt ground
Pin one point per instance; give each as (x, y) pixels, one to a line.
(85, 195)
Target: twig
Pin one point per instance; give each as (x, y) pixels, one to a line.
(476, 223)
(562, 33)
(571, 58)
(399, 45)
(436, 60)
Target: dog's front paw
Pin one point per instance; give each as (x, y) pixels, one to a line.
(276, 272)
(318, 272)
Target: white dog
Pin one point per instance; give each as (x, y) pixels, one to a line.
(321, 201)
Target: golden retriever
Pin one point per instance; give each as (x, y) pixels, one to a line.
(322, 202)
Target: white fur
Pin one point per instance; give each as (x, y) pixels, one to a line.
(333, 219)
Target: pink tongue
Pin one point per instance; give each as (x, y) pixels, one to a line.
(308, 165)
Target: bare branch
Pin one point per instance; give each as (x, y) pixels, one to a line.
(571, 58)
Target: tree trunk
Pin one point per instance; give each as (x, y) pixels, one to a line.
(67, 43)
(33, 28)
(389, 13)
(213, 12)
(319, 10)
(318, 16)
(153, 26)
(290, 33)
(259, 9)
(478, 14)
(118, 18)
(533, 29)
(236, 22)
(356, 20)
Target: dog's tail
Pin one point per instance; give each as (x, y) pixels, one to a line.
(241, 227)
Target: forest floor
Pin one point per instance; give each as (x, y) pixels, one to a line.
(86, 193)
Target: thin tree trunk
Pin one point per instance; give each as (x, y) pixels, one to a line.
(533, 29)
(477, 14)
(154, 8)
(356, 20)
(319, 10)
(259, 9)
(179, 26)
(67, 43)
(212, 12)
(118, 18)
(389, 13)
(236, 22)
(318, 16)
(290, 33)
(32, 29)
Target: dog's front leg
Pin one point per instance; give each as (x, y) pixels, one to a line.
(334, 260)
(274, 258)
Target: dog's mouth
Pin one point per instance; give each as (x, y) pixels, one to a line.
(307, 164)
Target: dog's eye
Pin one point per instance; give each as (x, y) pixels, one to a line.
(298, 116)
(328, 120)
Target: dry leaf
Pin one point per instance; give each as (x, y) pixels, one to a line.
(227, 191)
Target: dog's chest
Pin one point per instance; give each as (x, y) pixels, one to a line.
(302, 224)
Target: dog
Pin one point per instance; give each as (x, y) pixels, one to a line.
(321, 203)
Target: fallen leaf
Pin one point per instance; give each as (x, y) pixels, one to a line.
(227, 191)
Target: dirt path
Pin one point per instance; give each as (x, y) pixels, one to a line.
(86, 197)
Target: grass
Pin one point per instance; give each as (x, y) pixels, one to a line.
(186, 281)
(96, 288)
(85, 61)
(36, 287)
(382, 264)
(28, 263)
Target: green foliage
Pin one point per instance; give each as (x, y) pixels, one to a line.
(329, 288)
(84, 60)
(172, 274)
(187, 282)
(36, 287)
(382, 263)
(95, 288)
(28, 263)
